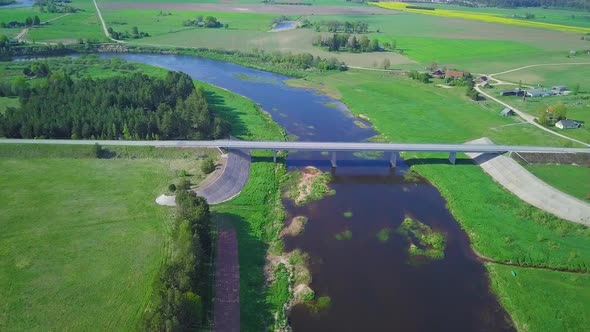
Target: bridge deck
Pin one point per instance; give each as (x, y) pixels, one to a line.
(314, 146)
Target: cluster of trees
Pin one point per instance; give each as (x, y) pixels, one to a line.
(29, 21)
(578, 4)
(204, 22)
(550, 115)
(422, 77)
(135, 34)
(343, 26)
(39, 69)
(183, 290)
(301, 61)
(347, 42)
(6, 2)
(56, 6)
(123, 107)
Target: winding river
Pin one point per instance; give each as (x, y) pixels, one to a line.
(370, 283)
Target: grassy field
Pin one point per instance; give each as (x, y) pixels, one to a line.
(499, 224)
(578, 108)
(569, 75)
(567, 178)
(94, 241)
(564, 298)
(489, 17)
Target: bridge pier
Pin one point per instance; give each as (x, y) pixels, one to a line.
(334, 159)
(274, 156)
(453, 157)
(393, 158)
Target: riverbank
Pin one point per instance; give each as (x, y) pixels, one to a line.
(499, 225)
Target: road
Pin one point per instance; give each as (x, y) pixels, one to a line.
(519, 181)
(313, 146)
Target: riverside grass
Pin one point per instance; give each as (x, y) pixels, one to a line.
(483, 17)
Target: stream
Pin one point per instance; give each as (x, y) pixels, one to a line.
(371, 283)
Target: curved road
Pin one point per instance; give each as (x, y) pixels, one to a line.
(231, 181)
(519, 181)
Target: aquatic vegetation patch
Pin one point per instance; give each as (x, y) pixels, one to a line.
(308, 184)
(344, 235)
(482, 17)
(347, 214)
(383, 234)
(295, 227)
(319, 306)
(423, 241)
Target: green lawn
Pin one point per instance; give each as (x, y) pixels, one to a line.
(541, 300)
(81, 239)
(571, 179)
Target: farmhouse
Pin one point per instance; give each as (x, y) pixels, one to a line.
(559, 88)
(515, 92)
(567, 124)
(507, 112)
(538, 93)
(439, 73)
(456, 74)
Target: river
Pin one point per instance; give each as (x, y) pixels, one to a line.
(370, 283)
(20, 4)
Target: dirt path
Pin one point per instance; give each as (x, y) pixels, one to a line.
(23, 34)
(104, 26)
(227, 282)
(519, 181)
(540, 65)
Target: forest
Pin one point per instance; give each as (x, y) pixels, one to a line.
(134, 106)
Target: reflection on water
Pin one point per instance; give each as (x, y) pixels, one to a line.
(371, 284)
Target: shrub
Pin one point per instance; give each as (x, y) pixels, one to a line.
(172, 187)
(184, 184)
(207, 166)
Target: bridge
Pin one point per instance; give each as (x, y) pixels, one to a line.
(393, 148)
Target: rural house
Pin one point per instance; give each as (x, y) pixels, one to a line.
(456, 74)
(538, 93)
(567, 124)
(515, 92)
(559, 88)
(439, 73)
(507, 112)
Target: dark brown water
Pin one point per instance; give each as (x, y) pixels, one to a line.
(371, 284)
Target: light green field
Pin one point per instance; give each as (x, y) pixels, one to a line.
(546, 301)
(571, 179)
(81, 239)
(68, 29)
(578, 108)
(568, 75)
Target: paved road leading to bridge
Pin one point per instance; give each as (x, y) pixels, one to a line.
(519, 181)
(313, 146)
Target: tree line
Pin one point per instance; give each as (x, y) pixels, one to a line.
(135, 34)
(204, 22)
(348, 43)
(123, 107)
(56, 6)
(343, 26)
(29, 21)
(183, 290)
(577, 4)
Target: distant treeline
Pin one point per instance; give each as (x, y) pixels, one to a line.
(7, 2)
(125, 107)
(56, 6)
(577, 4)
(343, 26)
(135, 34)
(183, 290)
(204, 22)
(29, 21)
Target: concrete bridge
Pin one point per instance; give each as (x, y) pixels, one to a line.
(393, 148)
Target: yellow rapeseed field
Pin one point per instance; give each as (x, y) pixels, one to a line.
(484, 17)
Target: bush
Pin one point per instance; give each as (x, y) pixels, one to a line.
(97, 151)
(184, 184)
(172, 187)
(207, 166)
